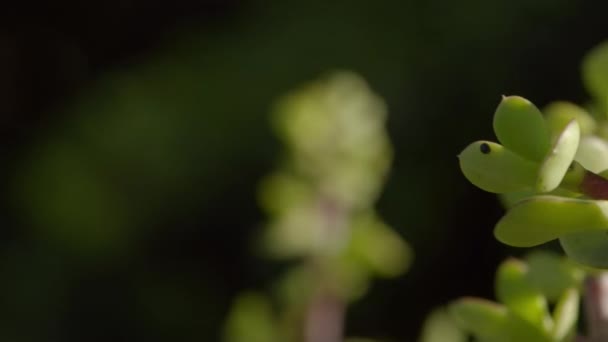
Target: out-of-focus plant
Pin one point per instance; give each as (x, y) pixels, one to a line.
(526, 290)
(320, 204)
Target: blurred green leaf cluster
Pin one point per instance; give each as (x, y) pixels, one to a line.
(320, 206)
(525, 290)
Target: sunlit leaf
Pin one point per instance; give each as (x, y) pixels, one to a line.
(494, 168)
(566, 315)
(520, 127)
(543, 218)
(592, 154)
(558, 114)
(559, 159)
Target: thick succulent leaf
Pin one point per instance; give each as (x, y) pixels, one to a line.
(520, 127)
(494, 168)
(518, 293)
(439, 326)
(510, 199)
(251, 319)
(592, 154)
(559, 158)
(566, 315)
(490, 321)
(553, 274)
(587, 248)
(479, 316)
(540, 219)
(595, 73)
(558, 114)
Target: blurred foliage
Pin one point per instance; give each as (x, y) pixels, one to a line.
(320, 202)
(526, 290)
(440, 326)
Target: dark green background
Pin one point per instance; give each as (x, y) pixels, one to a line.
(133, 134)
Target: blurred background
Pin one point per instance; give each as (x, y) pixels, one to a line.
(134, 135)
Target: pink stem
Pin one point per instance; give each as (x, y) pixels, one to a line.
(596, 309)
(324, 318)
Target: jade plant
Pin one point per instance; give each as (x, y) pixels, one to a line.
(321, 217)
(550, 169)
(526, 291)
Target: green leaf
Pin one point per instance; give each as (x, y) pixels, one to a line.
(490, 321)
(251, 320)
(494, 168)
(592, 154)
(514, 289)
(553, 274)
(587, 248)
(378, 248)
(595, 73)
(558, 114)
(439, 326)
(541, 219)
(510, 199)
(559, 159)
(520, 127)
(566, 315)
(479, 316)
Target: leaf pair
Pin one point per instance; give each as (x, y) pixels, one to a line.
(524, 293)
(527, 158)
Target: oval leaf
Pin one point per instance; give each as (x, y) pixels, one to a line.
(553, 274)
(558, 114)
(543, 218)
(494, 168)
(518, 293)
(592, 153)
(560, 157)
(587, 248)
(595, 73)
(490, 321)
(566, 315)
(479, 316)
(520, 127)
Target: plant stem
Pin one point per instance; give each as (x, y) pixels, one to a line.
(596, 308)
(594, 186)
(324, 319)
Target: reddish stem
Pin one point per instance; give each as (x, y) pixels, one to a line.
(594, 186)
(324, 318)
(596, 309)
